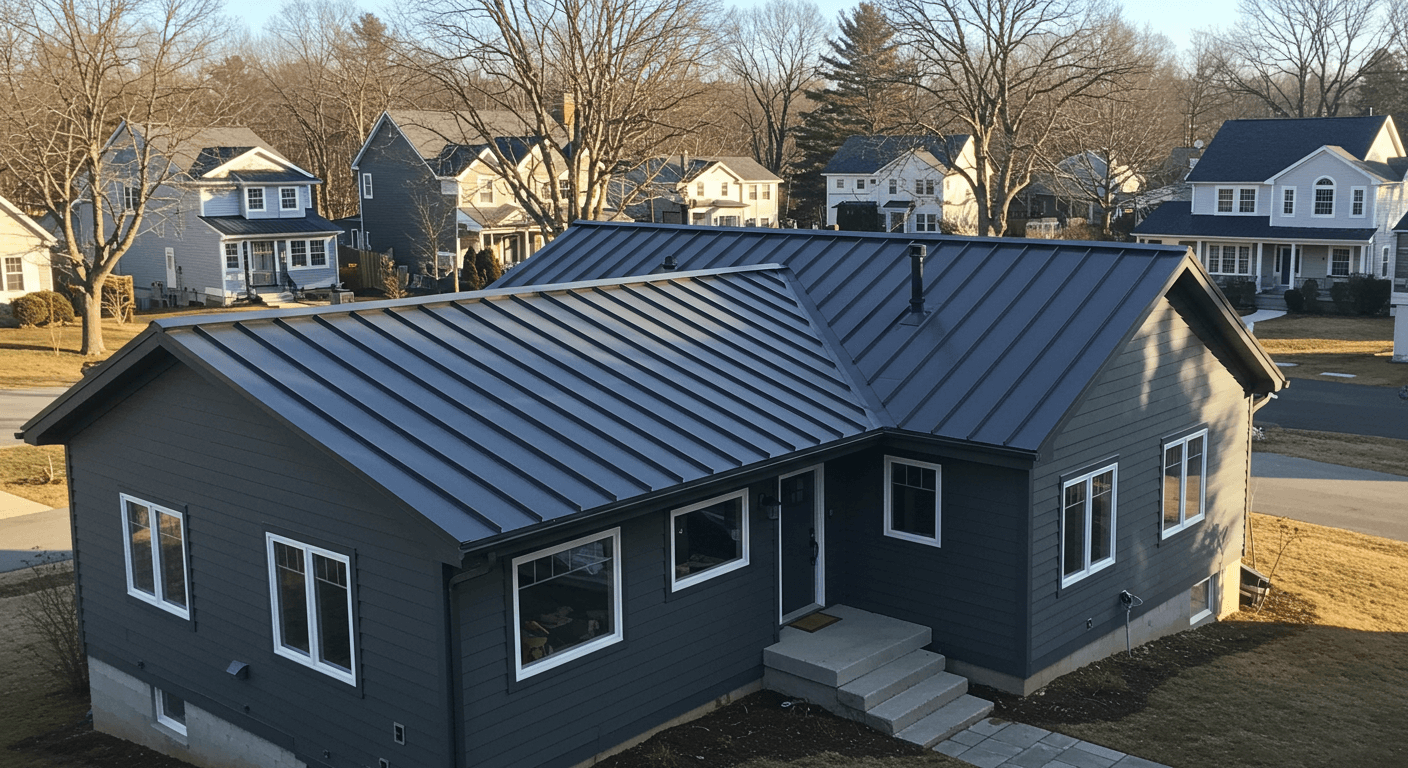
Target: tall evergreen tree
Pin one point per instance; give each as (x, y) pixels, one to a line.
(868, 95)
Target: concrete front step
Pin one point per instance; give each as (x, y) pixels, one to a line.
(915, 703)
(858, 644)
(946, 721)
(874, 687)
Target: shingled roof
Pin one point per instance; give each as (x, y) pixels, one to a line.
(868, 154)
(1176, 217)
(1256, 150)
(1017, 328)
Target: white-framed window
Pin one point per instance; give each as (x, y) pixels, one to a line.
(897, 219)
(752, 191)
(708, 539)
(319, 250)
(486, 189)
(1202, 600)
(170, 710)
(923, 186)
(728, 221)
(366, 186)
(1246, 200)
(767, 191)
(1324, 197)
(894, 186)
(1224, 200)
(298, 253)
(1088, 523)
(1185, 486)
(288, 198)
(913, 500)
(14, 273)
(1229, 259)
(154, 546)
(254, 198)
(1339, 262)
(765, 222)
(310, 594)
(860, 183)
(1356, 202)
(131, 198)
(1288, 201)
(840, 183)
(723, 189)
(566, 602)
(564, 189)
(699, 188)
(1383, 264)
(232, 256)
(926, 222)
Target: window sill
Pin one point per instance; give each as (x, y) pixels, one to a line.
(153, 600)
(1169, 533)
(1072, 579)
(698, 578)
(1198, 617)
(169, 732)
(327, 669)
(572, 654)
(914, 537)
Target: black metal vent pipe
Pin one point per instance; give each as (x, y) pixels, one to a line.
(916, 278)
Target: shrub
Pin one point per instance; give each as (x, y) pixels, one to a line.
(1295, 301)
(1343, 301)
(1310, 293)
(50, 607)
(42, 308)
(1241, 292)
(1369, 295)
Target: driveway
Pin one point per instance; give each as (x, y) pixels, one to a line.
(18, 405)
(1328, 494)
(1330, 406)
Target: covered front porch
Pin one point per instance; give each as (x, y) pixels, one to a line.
(1276, 266)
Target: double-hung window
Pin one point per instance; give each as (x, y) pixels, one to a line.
(232, 255)
(254, 198)
(723, 189)
(14, 273)
(708, 539)
(913, 500)
(1324, 197)
(1246, 200)
(860, 183)
(1339, 262)
(767, 191)
(752, 191)
(154, 544)
(1088, 524)
(1356, 202)
(1224, 200)
(318, 251)
(298, 253)
(566, 602)
(1288, 201)
(926, 222)
(486, 189)
(288, 198)
(894, 186)
(699, 188)
(840, 184)
(1185, 492)
(366, 186)
(310, 592)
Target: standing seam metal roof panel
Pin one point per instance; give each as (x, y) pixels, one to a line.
(1016, 328)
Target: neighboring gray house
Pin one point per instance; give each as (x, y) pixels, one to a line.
(237, 218)
(522, 526)
(710, 191)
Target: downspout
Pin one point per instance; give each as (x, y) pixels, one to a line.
(1253, 405)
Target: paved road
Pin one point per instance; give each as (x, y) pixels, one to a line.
(18, 405)
(1330, 406)
(1327, 494)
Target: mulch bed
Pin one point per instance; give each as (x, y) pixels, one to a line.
(763, 725)
(1115, 687)
(79, 745)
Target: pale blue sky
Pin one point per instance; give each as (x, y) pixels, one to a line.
(1175, 19)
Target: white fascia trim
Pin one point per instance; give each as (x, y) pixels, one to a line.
(385, 117)
(266, 154)
(1329, 149)
(677, 584)
(937, 540)
(595, 644)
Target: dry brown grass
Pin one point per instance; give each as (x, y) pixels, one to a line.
(28, 359)
(24, 472)
(1381, 454)
(1362, 346)
(30, 703)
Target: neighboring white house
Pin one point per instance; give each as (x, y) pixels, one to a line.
(1287, 200)
(233, 218)
(25, 259)
(908, 183)
(1084, 185)
(714, 191)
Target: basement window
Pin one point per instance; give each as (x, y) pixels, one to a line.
(566, 602)
(1202, 600)
(913, 500)
(170, 711)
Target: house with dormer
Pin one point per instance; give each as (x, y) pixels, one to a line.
(234, 218)
(1279, 202)
(710, 191)
(901, 183)
(431, 188)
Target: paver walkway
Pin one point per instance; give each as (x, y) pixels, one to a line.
(992, 742)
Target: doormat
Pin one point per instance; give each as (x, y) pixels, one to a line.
(815, 621)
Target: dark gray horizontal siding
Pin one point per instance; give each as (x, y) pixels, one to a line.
(399, 179)
(970, 591)
(1164, 383)
(680, 651)
(183, 442)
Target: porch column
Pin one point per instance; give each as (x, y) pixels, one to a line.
(1257, 278)
(1202, 257)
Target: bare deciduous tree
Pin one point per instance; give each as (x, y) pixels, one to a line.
(73, 70)
(1301, 58)
(601, 81)
(773, 50)
(1008, 70)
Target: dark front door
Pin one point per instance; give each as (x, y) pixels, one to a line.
(800, 543)
(1287, 270)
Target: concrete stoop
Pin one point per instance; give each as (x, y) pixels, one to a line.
(874, 669)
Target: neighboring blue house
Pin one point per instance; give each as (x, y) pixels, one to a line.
(522, 526)
(237, 218)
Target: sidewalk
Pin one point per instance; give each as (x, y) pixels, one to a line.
(992, 743)
(28, 530)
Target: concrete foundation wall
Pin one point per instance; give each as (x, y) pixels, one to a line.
(125, 707)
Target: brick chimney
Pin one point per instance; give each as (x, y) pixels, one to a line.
(565, 109)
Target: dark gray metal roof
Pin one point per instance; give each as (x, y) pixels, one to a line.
(235, 226)
(1017, 328)
(1176, 217)
(501, 410)
(1256, 150)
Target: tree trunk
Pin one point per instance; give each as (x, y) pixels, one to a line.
(92, 321)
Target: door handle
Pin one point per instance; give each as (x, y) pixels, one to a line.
(814, 547)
